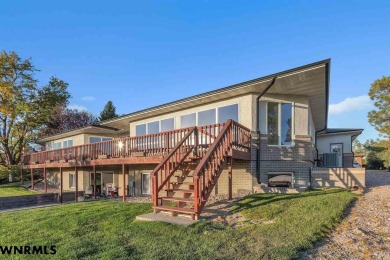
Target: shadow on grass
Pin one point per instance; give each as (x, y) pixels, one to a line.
(257, 200)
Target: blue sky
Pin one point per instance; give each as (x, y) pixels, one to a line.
(143, 53)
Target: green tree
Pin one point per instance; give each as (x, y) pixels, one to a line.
(380, 117)
(358, 148)
(24, 107)
(373, 161)
(108, 112)
(381, 149)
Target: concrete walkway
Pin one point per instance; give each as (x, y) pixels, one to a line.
(365, 232)
(185, 221)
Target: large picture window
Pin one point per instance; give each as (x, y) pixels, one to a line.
(188, 120)
(57, 145)
(207, 117)
(140, 130)
(167, 124)
(67, 143)
(153, 127)
(279, 123)
(99, 139)
(228, 112)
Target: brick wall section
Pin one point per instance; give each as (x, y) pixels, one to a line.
(298, 159)
(338, 177)
(242, 182)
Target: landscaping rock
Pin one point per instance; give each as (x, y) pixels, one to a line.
(365, 232)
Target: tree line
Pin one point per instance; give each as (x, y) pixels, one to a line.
(29, 111)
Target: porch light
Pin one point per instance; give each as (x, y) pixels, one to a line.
(120, 145)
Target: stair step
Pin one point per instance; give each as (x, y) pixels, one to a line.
(183, 182)
(177, 199)
(175, 209)
(180, 190)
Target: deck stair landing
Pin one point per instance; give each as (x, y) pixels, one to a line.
(185, 178)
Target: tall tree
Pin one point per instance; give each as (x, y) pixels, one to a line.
(380, 118)
(64, 119)
(108, 112)
(24, 107)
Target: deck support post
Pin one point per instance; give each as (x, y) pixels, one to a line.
(61, 183)
(124, 183)
(230, 178)
(77, 182)
(45, 179)
(21, 175)
(94, 181)
(32, 179)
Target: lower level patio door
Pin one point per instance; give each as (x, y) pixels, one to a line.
(102, 179)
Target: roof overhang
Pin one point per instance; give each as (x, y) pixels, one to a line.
(353, 132)
(311, 80)
(92, 129)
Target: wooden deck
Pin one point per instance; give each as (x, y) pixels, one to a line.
(146, 149)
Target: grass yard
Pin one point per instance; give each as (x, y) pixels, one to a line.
(14, 189)
(108, 230)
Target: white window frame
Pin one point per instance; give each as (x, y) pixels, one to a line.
(67, 140)
(279, 122)
(142, 183)
(74, 180)
(238, 111)
(58, 142)
(101, 138)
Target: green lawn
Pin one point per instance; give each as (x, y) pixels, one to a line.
(14, 189)
(108, 230)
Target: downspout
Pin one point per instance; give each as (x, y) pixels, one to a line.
(258, 128)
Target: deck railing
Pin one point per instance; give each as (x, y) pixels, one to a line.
(158, 144)
(232, 136)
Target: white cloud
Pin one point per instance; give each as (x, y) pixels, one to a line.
(351, 104)
(88, 98)
(77, 107)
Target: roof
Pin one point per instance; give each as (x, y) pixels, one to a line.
(340, 130)
(311, 80)
(91, 129)
(318, 72)
(353, 132)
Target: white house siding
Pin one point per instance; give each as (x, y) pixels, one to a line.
(245, 106)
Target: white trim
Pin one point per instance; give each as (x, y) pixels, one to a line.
(279, 122)
(142, 183)
(74, 179)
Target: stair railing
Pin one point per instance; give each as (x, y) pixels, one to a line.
(170, 164)
(210, 167)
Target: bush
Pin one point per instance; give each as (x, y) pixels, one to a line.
(5, 171)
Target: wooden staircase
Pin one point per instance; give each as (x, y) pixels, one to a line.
(184, 180)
